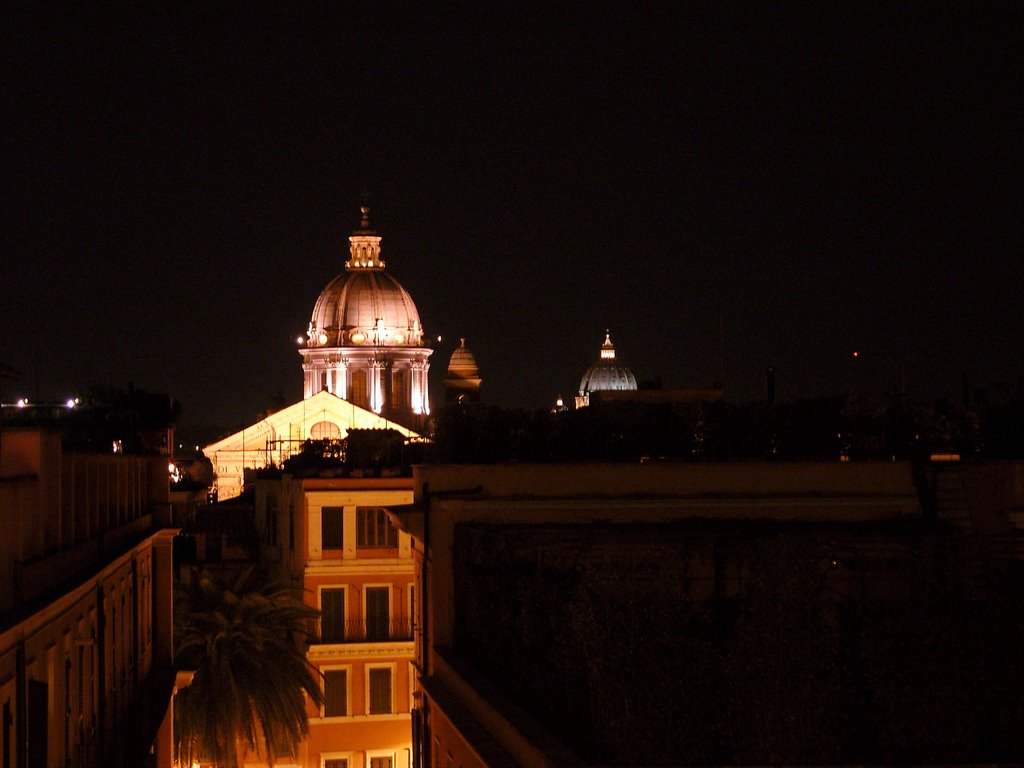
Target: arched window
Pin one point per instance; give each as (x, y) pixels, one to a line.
(325, 430)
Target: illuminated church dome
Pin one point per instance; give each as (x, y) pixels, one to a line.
(462, 380)
(365, 341)
(607, 373)
(365, 306)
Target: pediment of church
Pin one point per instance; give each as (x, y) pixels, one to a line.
(322, 415)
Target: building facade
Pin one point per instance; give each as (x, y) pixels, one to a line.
(706, 613)
(334, 537)
(86, 656)
(323, 416)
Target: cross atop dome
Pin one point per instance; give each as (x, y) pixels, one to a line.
(364, 245)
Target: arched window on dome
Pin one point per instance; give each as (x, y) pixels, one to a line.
(325, 430)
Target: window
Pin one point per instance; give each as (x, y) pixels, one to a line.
(378, 613)
(332, 615)
(381, 762)
(336, 762)
(335, 692)
(331, 527)
(374, 529)
(399, 389)
(8, 733)
(38, 722)
(271, 531)
(380, 691)
(358, 392)
(67, 703)
(325, 430)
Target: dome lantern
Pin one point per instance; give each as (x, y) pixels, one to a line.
(364, 245)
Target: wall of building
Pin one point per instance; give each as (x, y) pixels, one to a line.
(290, 514)
(85, 616)
(544, 497)
(525, 560)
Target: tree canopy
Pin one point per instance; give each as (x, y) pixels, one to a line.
(242, 638)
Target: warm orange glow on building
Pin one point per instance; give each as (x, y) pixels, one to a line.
(86, 594)
(334, 537)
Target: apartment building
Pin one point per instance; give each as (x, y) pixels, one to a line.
(86, 674)
(334, 537)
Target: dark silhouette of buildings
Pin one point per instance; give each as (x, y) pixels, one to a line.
(736, 613)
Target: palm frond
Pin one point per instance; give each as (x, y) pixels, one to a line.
(251, 674)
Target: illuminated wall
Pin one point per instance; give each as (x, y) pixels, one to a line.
(333, 536)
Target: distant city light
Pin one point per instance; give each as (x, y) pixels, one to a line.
(856, 354)
(71, 402)
(22, 402)
(298, 339)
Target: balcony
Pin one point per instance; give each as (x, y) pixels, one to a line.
(363, 631)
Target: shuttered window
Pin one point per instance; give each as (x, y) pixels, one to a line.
(335, 693)
(331, 527)
(374, 528)
(332, 615)
(380, 691)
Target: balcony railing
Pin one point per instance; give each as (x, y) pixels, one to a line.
(363, 631)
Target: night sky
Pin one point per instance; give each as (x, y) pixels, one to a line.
(724, 190)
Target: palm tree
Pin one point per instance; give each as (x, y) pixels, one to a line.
(251, 675)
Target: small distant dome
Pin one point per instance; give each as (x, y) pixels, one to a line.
(606, 374)
(463, 364)
(462, 380)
